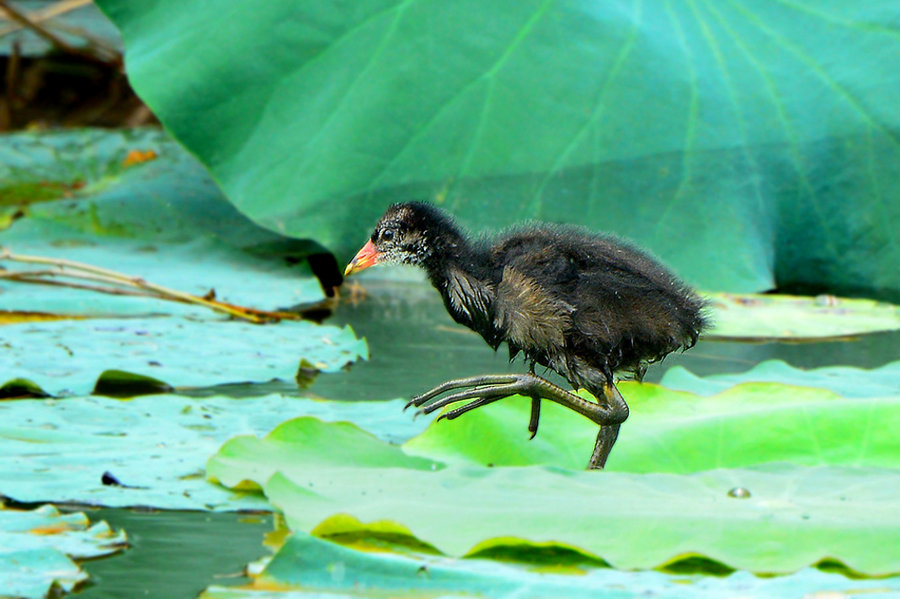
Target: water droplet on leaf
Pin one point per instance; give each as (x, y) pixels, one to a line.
(739, 493)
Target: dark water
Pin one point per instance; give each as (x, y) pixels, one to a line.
(414, 345)
(175, 554)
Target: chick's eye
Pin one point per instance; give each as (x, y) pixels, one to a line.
(387, 235)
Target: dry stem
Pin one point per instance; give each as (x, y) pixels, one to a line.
(110, 281)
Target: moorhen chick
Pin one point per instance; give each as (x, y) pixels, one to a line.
(584, 305)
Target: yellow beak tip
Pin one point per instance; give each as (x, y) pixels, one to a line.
(366, 257)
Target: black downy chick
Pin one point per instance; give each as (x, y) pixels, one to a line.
(584, 305)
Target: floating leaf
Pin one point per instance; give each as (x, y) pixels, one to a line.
(668, 431)
(787, 516)
(796, 516)
(89, 180)
(305, 563)
(71, 533)
(331, 443)
(798, 318)
(33, 573)
(155, 446)
(66, 357)
(844, 380)
(197, 267)
(163, 220)
(37, 547)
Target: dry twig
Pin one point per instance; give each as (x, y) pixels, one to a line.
(109, 281)
(95, 52)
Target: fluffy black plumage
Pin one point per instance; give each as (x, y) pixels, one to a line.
(584, 305)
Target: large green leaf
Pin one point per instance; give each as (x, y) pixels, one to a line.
(794, 517)
(334, 479)
(155, 446)
(681, 432)
(667, 432)
(37, 547)
(162, 220)
(748, 143)
(306, 565)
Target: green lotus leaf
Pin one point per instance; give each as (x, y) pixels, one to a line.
(669, 431)
(306, 564)
(71, 533)
(834, 500)
(343, 441)
(33, 573)
(794, 516)
(750, 145)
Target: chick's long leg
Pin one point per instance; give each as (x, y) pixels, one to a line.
(535, 417)
(608, 434)
(505, 386)
(609, 413)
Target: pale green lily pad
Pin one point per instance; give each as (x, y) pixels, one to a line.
(71, 533)
(67, 356)
(163, 220)
(795, 517)
(306, 567)
(33, 573)
(157, 446)
(844, 380)
(199, 266)
(37, 548)
(749, 316)
(134, 183)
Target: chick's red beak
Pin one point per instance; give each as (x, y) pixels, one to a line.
(366, 257)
